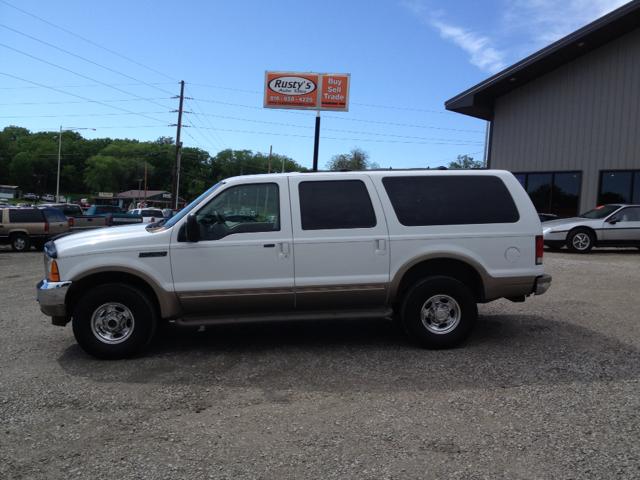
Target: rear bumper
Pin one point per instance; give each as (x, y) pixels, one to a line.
(542, 284)
(51, 297)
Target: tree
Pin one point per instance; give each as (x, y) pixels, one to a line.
(465, 161)
(357, 159)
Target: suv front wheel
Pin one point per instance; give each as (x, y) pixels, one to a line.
(439, 312)
(114, 321)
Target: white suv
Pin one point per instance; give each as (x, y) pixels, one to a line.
(425, 245)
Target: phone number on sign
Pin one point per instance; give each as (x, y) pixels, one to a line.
(291, 99)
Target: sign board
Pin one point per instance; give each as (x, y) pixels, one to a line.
(104, 194)
(307, 91)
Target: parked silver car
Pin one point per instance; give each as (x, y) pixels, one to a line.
(615, 225)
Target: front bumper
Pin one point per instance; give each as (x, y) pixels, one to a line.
(51, 296)
(542, 284)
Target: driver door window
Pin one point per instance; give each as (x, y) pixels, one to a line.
(243, 209)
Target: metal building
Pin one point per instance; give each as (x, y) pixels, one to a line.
(566, 120)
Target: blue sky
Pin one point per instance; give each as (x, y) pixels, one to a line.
(114, 66)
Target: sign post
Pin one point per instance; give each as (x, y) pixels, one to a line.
(308, 91)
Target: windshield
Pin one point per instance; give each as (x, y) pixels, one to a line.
(600, 212)
(191, 206)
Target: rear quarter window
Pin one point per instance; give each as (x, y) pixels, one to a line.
(30, 215)
(71, 210)
(450, 200)
(54, 215)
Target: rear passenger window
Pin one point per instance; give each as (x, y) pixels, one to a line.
(54, 215)
(335, 204)
(31, 215)
(450, 200)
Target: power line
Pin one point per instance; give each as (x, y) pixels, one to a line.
(79, 74)
(352, 119)
(86, 60)
(71, 103)
(91, 85)
(83, 98)
(198, 105)
(349, 139)
(198, 130)
(88, 41)
(79, 115)
(353, 103)
(290, 112)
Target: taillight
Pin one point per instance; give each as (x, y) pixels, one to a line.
(71, 222)
(111, 217)
(153, 219)
(539, 249)
(46, 227)
(106, 222)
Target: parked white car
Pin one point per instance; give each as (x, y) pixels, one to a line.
(425, 246)
(149, 215)
(613, 225)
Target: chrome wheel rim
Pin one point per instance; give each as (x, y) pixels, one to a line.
(19, 243)
(581, 241)
(112, 323)
(440, 314)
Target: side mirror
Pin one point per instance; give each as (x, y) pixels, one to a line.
(613, 220)
(193, 231)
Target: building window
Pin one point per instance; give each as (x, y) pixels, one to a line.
(557, 193)
(619, 187)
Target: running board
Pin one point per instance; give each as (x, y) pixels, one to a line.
(202, 320)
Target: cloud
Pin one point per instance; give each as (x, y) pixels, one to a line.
(546, 21)
(518, 27)
(478, 47)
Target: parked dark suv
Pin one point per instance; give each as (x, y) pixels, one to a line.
(23, 227)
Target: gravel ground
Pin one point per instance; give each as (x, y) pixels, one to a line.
(548, 388)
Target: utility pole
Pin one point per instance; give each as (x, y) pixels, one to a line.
(176, 168)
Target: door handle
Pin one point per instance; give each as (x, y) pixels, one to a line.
(283, 250)
(380, 246)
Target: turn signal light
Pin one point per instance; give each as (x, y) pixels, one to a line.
(54, 276)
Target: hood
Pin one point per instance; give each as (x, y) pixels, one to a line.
(568, 223)
(111, 239)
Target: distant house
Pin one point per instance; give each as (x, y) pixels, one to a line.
(10, 191)
(130, 198)
(566, 120)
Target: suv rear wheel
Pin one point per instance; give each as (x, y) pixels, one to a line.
(439, 312)
(20, 243)
(114, 321)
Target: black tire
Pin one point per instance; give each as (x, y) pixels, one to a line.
(20, 243)
(114, 321)
(439, 312)
(580, 240)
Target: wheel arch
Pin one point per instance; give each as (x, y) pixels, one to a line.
(462, 270)
(583, 227)
(160, 299)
